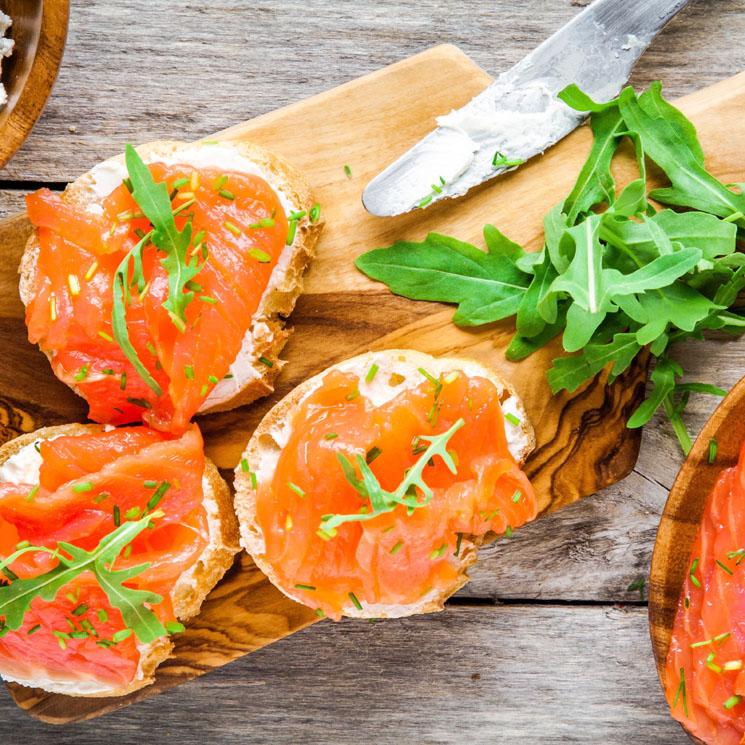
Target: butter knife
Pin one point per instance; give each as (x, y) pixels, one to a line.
(519, 115)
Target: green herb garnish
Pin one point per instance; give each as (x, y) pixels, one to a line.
(406, 494)
(712, 450)
(16, 598)
(615, 275)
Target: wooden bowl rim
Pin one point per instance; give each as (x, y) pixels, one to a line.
(682, 515)
(44, 68)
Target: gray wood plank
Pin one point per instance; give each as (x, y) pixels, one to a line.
(143, 70)
(515, 675)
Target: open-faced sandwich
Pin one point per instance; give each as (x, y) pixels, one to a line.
(109, 539)
(367, 490)
(705, 673)
(157, 284)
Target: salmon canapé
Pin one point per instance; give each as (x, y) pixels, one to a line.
(185, 335)
(66, 622)
(705, 673)
(373, 504)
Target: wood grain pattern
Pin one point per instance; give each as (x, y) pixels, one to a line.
(583, 442)
(39, 30)
(682, 516)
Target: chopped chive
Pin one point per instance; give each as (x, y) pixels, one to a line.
(693, 569)
(82, 608)
(219, 182)
(457, 545)
(61, 641)
(372, 454)
(425, 591)
(78, 635)
(512, 419)
(637, 585)
(103, 616)
(32, 493)
(33, 629)
(208, 299)
(82, 486)
(9, 574)
(348, 171)
(687, 602)
(304, 587)
(226, 194)
(144, 403)
(190, 285)
(183, 181)
(442, 181)
(121, 635)
(228, 376)
(396, 548)
(425, 201)
(107, 371)
(351, 396)
(436, 189)
(182, 207)
(723, 566)
(320, 613)
(297, 215)
(132, 513)
(261, 256)
(288, 522)
(330, 436)
(212, 379)
(730, 702)
(150, 484)
(722, 637)
(105, 336)
(232, 228)
(315, 212)
(509, 531)
(265, 361)
(356, 602)
(157, 496)
(52, 308)
(712, 450)
(682, 689)
(91, 271)
(296, 489)
(385, 530)
(733, 665)
(371, 373)
(123, 381)
(438, 552)
(292, 229)
(203, 391)
(189, 372)
(710, 664)
(491, 515)
(22, 544)
(516, 496)
(117, 517)
(74, 283)
(244, 465)
(37, 446)
(174, 627)
(253, 480)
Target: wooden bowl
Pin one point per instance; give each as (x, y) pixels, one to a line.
(682, 515)
(39, 30)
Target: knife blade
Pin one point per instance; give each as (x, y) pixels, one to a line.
(519, 115)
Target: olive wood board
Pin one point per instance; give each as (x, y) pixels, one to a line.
(682, 515)
(583, 443)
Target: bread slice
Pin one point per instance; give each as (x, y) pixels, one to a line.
(398, 368)
(267, 334)
(191, 588)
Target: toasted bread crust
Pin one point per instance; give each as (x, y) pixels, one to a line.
(262, 439)
(275, 305)
(194, 585)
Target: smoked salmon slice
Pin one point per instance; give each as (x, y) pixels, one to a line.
(88, 485)
(705, 672)
(239, 229)
(399, 556)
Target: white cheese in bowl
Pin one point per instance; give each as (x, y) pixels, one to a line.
(6, 48)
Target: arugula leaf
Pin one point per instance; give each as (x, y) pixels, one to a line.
(670, 141)
(383, 501)
(155, 203)
(614, 274)
(486, 285)
(122, 297)
(595, 183)
(15, 598)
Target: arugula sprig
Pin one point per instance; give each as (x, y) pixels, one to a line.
(614, 275)
(383, 501)
(155, 203)
(15, 598)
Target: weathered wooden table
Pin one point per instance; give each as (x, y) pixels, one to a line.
(545, 644)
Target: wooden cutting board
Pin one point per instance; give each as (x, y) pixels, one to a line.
(583, 443)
